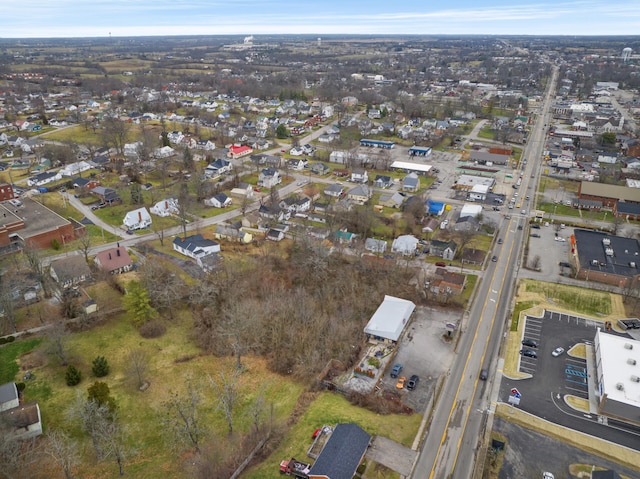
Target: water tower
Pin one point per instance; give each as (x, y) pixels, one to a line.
(319, 42)
(626, 54)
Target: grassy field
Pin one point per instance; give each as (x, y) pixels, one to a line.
(76, 134)
(9, 353)
(331, 409)
(172, 358)
(580, 300)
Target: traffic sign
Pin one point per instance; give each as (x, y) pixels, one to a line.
(516, 393)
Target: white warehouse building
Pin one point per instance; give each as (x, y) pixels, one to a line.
(618, 376)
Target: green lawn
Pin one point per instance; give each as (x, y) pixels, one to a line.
(9, 353)
(331, 409)
(487, 133)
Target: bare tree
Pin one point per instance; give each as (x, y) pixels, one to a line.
(165, 288)
(85, 246)
(113, 437)
(137, 365)
(115, 133)
(7, 303)
(226, 388)
(184, 200)
(16, 457)
(63, 450)
(535, 263)
(239, 318)
(182, 415)
(92, 415)
(58, 335)
(34, 260)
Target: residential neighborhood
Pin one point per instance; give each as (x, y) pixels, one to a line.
(245, 275)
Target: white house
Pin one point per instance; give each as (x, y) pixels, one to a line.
(359, 176)
(377, 246)
(131, 149)
(195, 246)
(166, 207)
(269, 177)
(164, 152)
(44, 178)
(218, 201)
(217, 168)
(74, 169)
(405, 244)
(137, 219)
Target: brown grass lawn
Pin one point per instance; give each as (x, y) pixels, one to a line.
(173, 358)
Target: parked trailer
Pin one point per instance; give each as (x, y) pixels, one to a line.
(295, 468)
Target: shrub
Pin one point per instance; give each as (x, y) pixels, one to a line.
(73, 375)
(55, 244)
(152, 329)
(3, 340)
(100, 393)
(20, 387)
(11, 339)
(100, 367)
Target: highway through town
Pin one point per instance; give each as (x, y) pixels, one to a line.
(464, 402)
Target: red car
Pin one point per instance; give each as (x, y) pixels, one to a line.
(442, 264)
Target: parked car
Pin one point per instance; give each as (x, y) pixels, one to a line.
(400, 383)
(535, 226)
(557, 352)
(530, 353)
(530, 342)
(395, 372)
(547, 475)
(442, 264)
(535, 235)
(560, 239)
(413, 382)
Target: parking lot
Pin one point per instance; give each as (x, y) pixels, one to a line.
(554, 377)
(549, 251)
(424, 352)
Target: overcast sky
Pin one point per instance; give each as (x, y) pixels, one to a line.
(96, 18)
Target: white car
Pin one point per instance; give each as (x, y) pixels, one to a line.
(555, 353)
(547, 475)
(558, 238)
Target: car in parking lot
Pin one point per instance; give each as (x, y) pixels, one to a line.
(520, 227)
(535, 235)
(535, 226)
(494, 259)
(530, 342)
(547, 475)
(560, 239)
(413, 382)
(557, 352)
(396, 370)
(530, 353)
(400, 383)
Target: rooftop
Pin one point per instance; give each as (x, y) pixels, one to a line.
(619, 360)
(37, 218)
(606, 253)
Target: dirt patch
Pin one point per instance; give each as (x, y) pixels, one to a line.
(32, 360)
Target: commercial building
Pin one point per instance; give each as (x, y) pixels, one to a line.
(618, 376)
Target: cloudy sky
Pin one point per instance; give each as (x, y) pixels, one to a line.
(96, 18)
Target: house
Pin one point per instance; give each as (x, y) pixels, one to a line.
(44, 178)
(269, 177)
(320, 169)
(443, 249)
(232, 233)
(295, 205)
(389, 320)
(85, 184)
(297, 164)
(342, 454)
(359, 176)
(405, 244)
(24, 420)
(472, 256)
(411, 183)
(467, 223)
(360, 194)
(273, 213)
(137, 219)
(195, 246)
(131, 149)
(430, 225)
(217, 168)
(275, 235)
(70, 271)
(375, 246)
(335, 190)
(218, 201)
(114, 260)
(76, 168)
(243, 190)
(9, 397)
(343, 236)
(391, 200)
(166, 207)
(447, 282)
(107, 195)
(236, 151)
(383, 181)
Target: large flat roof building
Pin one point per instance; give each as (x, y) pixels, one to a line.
(618, 376)
(389, 320)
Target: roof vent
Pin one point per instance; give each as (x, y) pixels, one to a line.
(620, 387)
(632, 264)
(635, 379)
(608, 251)
(631, 361)
(594, 262)
(606, 241)
(628, 346)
